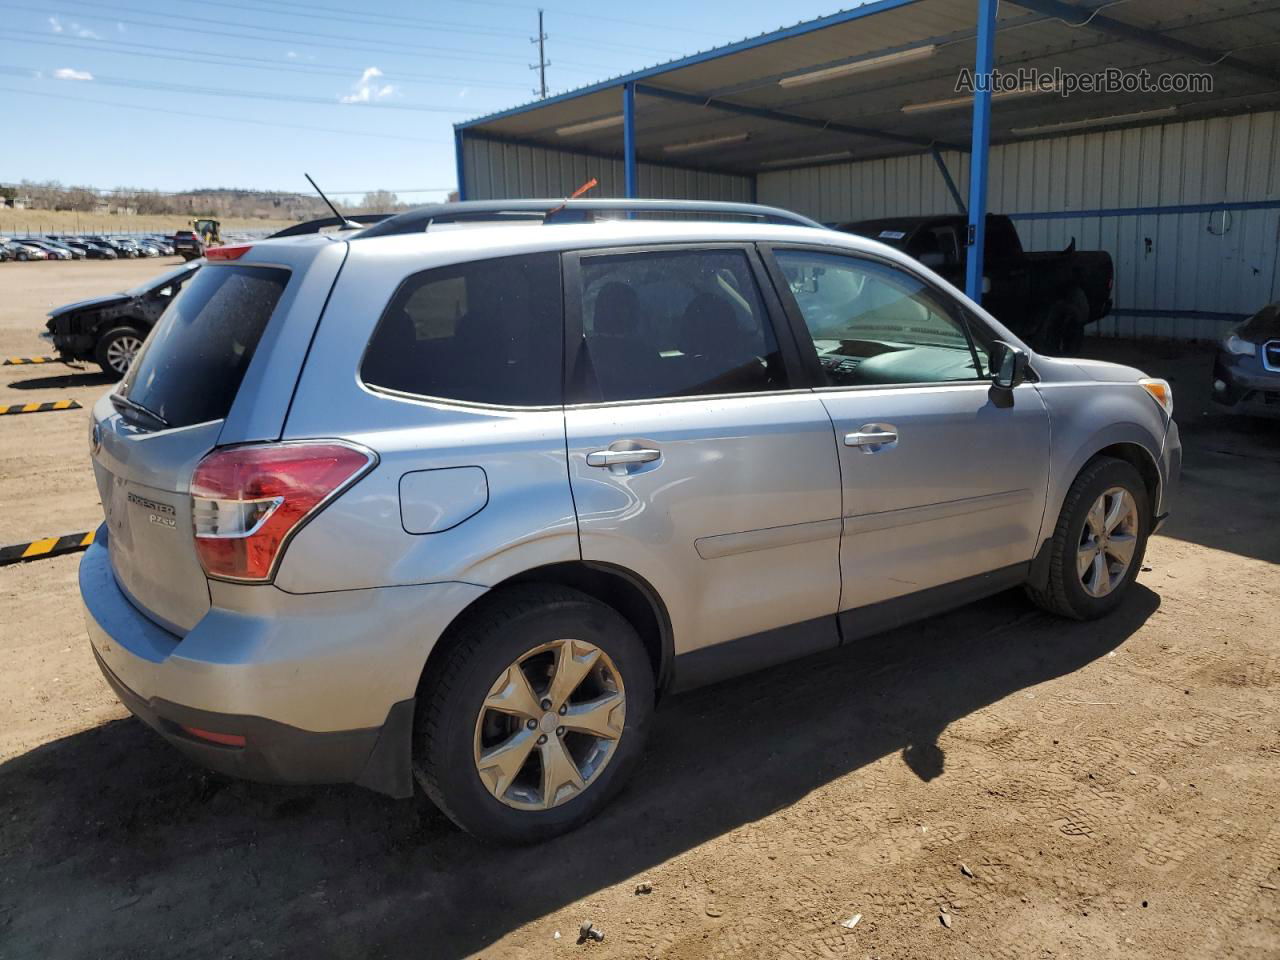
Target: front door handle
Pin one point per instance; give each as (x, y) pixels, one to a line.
(872, 438)
(614, 458)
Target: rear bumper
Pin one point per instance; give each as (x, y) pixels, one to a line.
(321, 687)
(278, 753)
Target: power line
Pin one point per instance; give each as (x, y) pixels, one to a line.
(211, 116)
(382, 46)
(573, 14)
(253, 63)
(664, 27)
(160, 87)
(402, 23)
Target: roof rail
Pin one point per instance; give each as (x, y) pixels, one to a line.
(315, 226)
(573, 211)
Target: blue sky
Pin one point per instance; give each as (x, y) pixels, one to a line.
(361, 96)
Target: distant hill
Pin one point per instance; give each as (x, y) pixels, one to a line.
(221, 202)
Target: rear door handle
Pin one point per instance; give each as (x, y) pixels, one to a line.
(872, 438)
(613, 458)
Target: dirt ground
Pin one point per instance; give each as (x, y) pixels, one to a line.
(1049, 789)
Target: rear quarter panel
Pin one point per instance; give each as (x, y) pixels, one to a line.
(360, 540)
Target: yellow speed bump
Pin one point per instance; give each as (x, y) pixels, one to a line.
(48, 547)
(22, 361)
(40, 407)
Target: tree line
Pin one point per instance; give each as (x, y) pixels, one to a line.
(219, 201)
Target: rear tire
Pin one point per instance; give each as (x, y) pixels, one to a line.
(116, 349)
(1060, 332)
(491, 753)
(1073, 330)
(1099, 542)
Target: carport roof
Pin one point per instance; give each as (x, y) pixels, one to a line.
(739, 108)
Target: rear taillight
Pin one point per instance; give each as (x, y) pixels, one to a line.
(227, 253)
(246, 502)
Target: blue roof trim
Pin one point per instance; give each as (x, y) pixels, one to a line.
(786, 33)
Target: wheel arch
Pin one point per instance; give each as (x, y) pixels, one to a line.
(1142, 460)
(623, 590)
(1122, 442)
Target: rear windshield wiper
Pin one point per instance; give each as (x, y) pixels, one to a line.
(123, 403)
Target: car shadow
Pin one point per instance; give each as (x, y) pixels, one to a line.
(91, 376)
(118, 842)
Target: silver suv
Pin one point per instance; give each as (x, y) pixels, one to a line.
(458, 497)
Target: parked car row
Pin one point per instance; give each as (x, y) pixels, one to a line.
(62, 247)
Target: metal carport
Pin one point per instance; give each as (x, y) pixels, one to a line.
(877, 83)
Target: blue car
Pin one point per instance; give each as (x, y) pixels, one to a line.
(1246, 371)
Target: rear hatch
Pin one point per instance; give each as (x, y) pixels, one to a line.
(168, 412)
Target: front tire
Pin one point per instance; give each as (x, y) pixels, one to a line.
(1099, 542)
(535, 716)
(116, 350)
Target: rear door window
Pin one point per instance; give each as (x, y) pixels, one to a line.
(487, 331)
(191, 366)
(683, 323)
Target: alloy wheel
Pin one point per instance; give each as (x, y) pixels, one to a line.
(121, 351)
(550, 725)
(1107, 542)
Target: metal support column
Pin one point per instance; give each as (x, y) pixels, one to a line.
(979, 154)
(629, 138)
(946, 177)
(460, 159)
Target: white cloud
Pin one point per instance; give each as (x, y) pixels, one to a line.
(84, 32)
(120, 28)
(55, 24)
(463, 92)
(367, 89)
(292, 54)
(66, 73)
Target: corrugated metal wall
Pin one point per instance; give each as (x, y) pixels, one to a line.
(1203, 263)
(497, 171)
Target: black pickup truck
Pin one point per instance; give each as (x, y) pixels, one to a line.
(1047, 298)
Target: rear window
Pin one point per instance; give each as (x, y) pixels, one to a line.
(488, 331)
(192, 364)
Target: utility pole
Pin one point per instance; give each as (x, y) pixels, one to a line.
(541, 65)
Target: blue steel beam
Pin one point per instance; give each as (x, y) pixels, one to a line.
(777, 116)
(983, 63)
(1081, 17)
(629, 139)
(946, 176)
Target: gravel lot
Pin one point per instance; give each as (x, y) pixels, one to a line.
(990, 784)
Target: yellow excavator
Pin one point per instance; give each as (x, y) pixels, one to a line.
(209, 231)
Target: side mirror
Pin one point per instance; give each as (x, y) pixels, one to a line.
(1008, 365)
